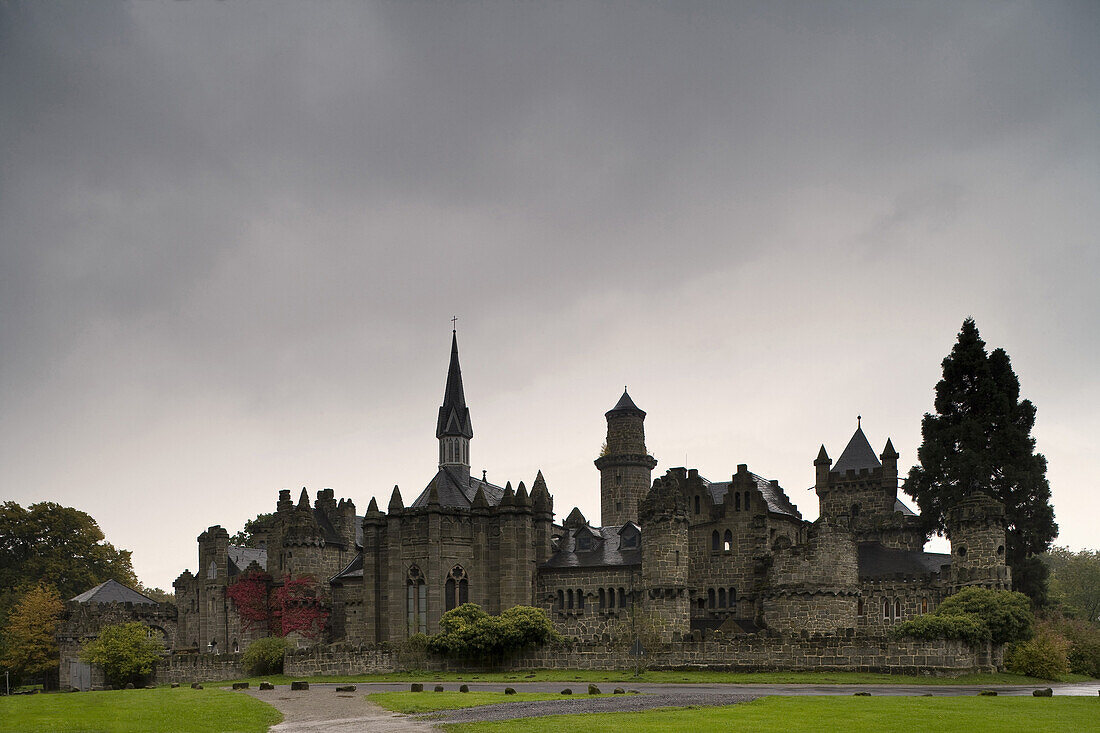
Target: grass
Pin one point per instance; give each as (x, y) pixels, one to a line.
(784, 714)
(165, 710)
(672, 676)
(426, 702)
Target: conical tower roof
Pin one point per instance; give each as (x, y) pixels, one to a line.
(625, 404)
(454, 416)
(857, 454)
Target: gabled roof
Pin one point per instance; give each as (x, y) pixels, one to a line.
(241, 557)
(112, 591)
(455, 489)
(454, 416)
(857, 455)
(899, 506)
(877, 561)
(352, 571)
(773, 494)
(602, 554)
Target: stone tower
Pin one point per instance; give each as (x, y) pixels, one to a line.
(665, 557)
(976, 527)
(453, 428)
(625, 466)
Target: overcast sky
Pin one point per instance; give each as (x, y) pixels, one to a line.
(233, 235)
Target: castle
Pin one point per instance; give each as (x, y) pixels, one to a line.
(690, 555)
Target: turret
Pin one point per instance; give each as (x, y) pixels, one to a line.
(976, 528)
(453, 427)
(625, 466)
(664, 522)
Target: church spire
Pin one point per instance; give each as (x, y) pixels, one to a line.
(452, 427)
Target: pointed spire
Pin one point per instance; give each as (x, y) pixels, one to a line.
(822, 457)
(539, 482)
(372, 508)
(396, 504)
(454, 416)
(522, 498)
(480, 502)
(625, 404)
(303, 500)
(509, 498)
(888, 453)
(857, 455)
(575, 519)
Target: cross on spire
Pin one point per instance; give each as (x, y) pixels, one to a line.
(454, 322)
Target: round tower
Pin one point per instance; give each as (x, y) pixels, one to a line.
(976, 528)
(664, 523)
(625, 465)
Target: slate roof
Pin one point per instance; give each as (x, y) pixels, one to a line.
(456, 489)
(241, 557)
(857, 455)
(777, 501)
(900, 507)
(606, 553)
(625, 404)
(112, 591)
(354, 570)
(454, 416)
(876, 561)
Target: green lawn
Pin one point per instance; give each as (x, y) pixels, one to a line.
(163, 710)
(690, 676)
(426, 702)
(785, 714)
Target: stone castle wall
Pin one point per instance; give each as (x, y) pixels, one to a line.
(186, 668)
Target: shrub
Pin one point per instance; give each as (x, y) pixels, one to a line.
(1042, 656)
(932, 626)
(468, 632)
(265, 656)
(124, 651)
(1006, 613)
(412, 653)
(1084, 644)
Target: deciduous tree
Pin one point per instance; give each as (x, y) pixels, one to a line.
(30, 647)
(126, 652)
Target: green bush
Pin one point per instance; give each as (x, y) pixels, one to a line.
(467, 632)
(1007, 614)
(126, 652)
(265, 656)
(1043, 656)
(931, 626)
(1084, 644)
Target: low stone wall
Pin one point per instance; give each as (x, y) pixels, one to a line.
(339, 659)
(185, 668)
(818, 652)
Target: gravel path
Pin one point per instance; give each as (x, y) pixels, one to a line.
(324, 710)
(583, 704)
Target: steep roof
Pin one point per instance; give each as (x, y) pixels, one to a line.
(899, 506)
(112, 591)
(773, 494)
(241, 557)
(352, 571)
(857, 455)
(454, 416)
(877, 561)
(455, 489)
(625, 404)
(605, 553)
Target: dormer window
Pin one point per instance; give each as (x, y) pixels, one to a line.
(584, 542)
(629, 536)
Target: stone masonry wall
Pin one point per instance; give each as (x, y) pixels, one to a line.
(186, 668)
(339, 659)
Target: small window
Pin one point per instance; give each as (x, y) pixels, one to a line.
(924, 605)
(622, 598)
(584, 542)
(721, 597)
(710, 598)
(859, 607)
(603, 598)
(737, 501)
(727, 543)
(696, 503)
(1000, 550)
(962, 551)
(897, 608)
(855, 510)
(886, 610)
(580, 599)
(715, 541)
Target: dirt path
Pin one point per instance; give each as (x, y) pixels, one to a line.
(323, 710)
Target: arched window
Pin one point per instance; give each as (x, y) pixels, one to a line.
(610, 597)
(721, 597)
(715, 542)
(924, 605)
(886, 610)
(236, 646)
(416, 601)
(580, 598)
(859, 607)
(457, 589)
(897, 608)
(727, 542)
(746, 501)
(737, 501)
(561, 599)
(569, 597)
(696, 503)
(732, 598)
(603, 598)
(622, 598)
(710, 598)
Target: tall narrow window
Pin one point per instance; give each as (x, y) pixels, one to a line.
(747, 501)
(416, 601)
(603, 598)
(569, 597)
(721, 597)
(696, 503)
(886, 610)
(561, 599)
(897, 608)
(715, 542)
(732, 599)
(580, 599)
(710, 598)
(737, 501)
(457, 588)
(924, 605)
(622, 598)
(610, 597)
(727, 543)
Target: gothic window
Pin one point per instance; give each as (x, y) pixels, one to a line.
(727, 543)
(603, 598)
(710, 598)
(212, 571)
(416, 601)
(732, 597)
(737, 501)
(714, 541)
(236, 646)
(886, 610)
(721, 597)
(897, 608)
(457, 589)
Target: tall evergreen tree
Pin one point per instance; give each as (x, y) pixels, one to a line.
(980, 440)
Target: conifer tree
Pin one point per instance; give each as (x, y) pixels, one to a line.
(980, 440)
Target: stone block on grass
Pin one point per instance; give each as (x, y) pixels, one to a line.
(1045, 692)
(439, 688)
(619, 691)
(509, 690)
(593, 690)
(416, 687)
(240, 685)
(196, 686)
(567, 691)
(175, 684)
(299, 685)
(464, 688)
(988, 693)
(266, 686)
(345, 688)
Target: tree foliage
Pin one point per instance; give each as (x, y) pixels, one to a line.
(1075, 581)
(250, 597)
(265, 656)
(980, 440)
(30, 647)
(298, 605)
(126, 652)
(1043, 656)
(467, 632)
(253, 531)
(975, 615)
